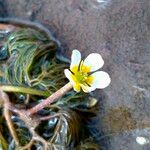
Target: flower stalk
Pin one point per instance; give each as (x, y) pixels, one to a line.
(51, 99)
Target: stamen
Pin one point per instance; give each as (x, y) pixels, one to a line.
(79, 66)
(90, 73)
(71, 71)
(87, 84)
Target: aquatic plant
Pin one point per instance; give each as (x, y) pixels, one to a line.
(38, 105)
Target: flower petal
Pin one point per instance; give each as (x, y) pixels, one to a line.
(75, 58)
(101, 80)
(76, 87)
(87, 89)
(94, 61)
(69, 75)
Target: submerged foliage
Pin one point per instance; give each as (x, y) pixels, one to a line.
(32, 62)
(30, 73)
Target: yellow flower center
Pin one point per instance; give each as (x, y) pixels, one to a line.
(80, 76)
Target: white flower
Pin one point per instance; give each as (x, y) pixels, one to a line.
(83, 73)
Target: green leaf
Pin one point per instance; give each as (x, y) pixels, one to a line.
(32, 62)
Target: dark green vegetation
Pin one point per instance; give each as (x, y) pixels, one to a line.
(30, 72)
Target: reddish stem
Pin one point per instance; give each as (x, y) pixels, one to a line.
(62, 91)
(50, 116)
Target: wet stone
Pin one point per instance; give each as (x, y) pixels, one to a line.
(120, 31)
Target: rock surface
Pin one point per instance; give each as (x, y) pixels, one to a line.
(120, 31)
